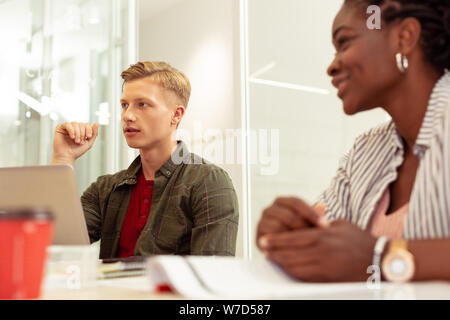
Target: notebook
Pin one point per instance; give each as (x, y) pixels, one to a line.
(122, 267)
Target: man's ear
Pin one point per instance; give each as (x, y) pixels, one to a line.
(178, 115)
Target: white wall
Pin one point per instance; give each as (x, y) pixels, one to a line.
(201, 38)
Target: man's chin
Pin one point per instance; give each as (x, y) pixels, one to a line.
(133, 145)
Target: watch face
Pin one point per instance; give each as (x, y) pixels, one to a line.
(399, 266)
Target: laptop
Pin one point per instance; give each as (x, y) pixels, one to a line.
(52, 187)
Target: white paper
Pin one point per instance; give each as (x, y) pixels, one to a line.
(234, 278)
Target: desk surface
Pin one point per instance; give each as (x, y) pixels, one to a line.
(139, 288)
(129, 288)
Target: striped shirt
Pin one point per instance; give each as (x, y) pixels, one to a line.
(390, 225)
(371, 166)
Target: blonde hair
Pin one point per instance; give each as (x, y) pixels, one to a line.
(164, 74)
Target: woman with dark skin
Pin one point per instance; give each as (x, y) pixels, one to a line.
(291, 233)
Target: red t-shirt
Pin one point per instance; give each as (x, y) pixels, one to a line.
(137, 215)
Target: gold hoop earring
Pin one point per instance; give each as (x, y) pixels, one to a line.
(402, 62)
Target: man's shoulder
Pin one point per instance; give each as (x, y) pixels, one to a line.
(197, 164)
(197, 169)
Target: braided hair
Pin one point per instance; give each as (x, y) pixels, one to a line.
(434, 17)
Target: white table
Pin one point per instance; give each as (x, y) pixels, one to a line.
(139, 288)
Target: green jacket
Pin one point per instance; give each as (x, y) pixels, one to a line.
(194, 209)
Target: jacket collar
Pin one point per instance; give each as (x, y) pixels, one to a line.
(179, 156)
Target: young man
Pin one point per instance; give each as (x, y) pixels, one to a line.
(169, 201)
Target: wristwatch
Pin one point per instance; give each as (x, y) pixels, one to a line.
(398, 263)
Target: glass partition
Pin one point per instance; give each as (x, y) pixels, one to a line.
(291, 99)
(62, 62)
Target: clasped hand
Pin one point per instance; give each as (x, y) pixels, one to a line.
(72, 140)
(298, 238)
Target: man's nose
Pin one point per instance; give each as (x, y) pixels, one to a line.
(128, 114)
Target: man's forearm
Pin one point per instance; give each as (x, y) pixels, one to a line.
(432, 259)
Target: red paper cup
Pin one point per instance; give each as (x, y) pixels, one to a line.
(24, 237)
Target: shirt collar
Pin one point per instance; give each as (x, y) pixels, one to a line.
(397, 139)
(179, 156)
(436, 106)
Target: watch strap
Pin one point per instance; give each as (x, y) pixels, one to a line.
(398, 244)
